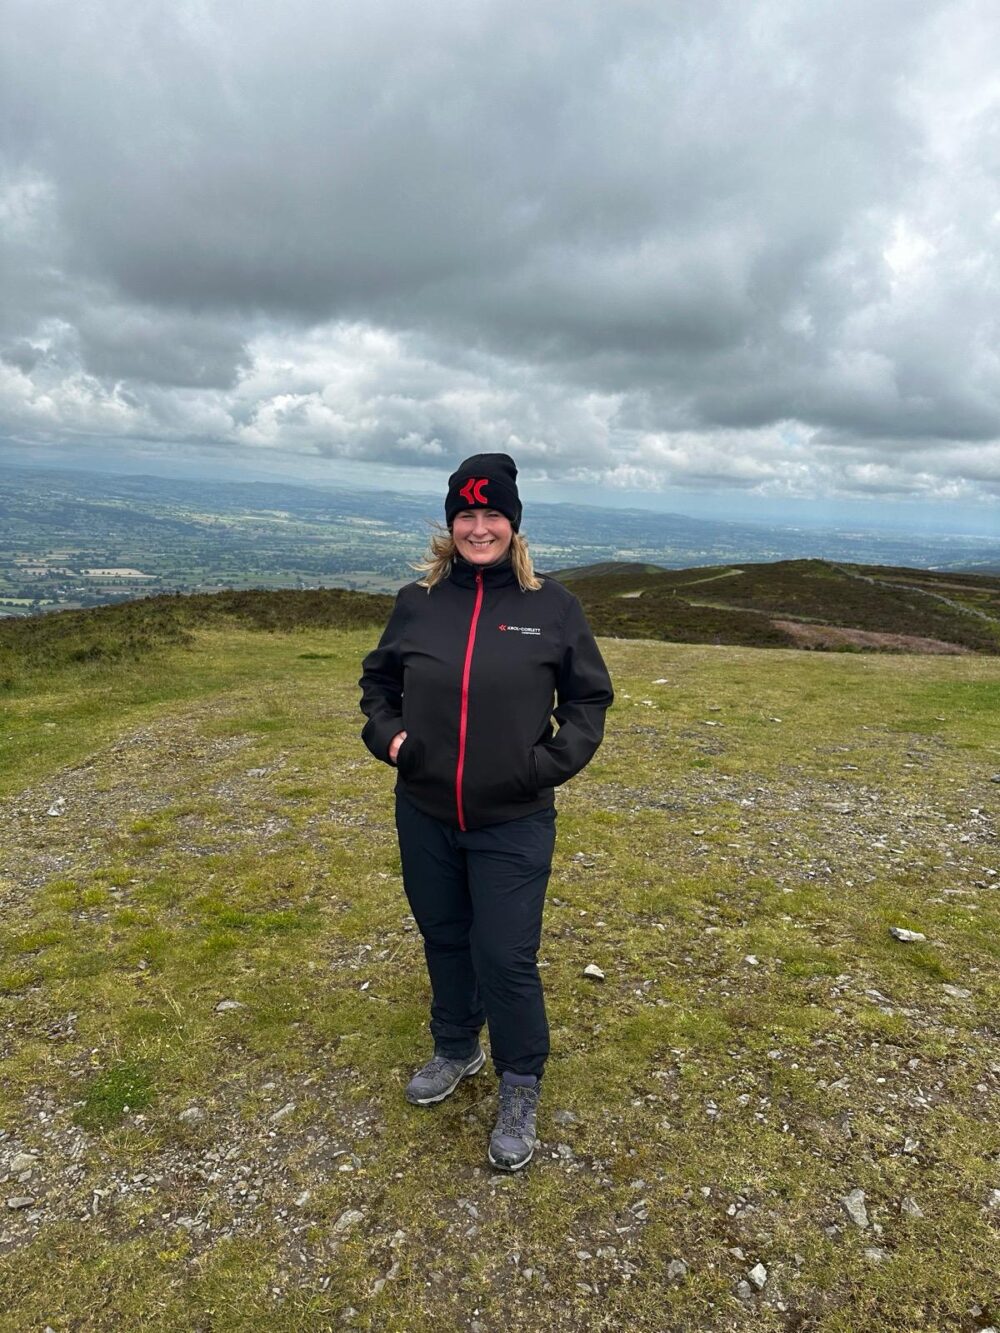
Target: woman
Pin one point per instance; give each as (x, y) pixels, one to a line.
(459, 696)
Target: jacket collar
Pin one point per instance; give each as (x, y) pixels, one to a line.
(494, 576)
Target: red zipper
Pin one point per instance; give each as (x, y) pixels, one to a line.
(463, 719)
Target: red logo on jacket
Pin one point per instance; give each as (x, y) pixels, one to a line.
(473, 491)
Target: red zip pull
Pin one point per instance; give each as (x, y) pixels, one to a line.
(463, 719)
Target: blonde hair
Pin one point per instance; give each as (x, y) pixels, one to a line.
(436, 564)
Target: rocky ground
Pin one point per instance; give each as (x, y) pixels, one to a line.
(772, 1102)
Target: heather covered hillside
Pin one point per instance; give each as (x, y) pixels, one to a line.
(776, 1112)
(795, 603)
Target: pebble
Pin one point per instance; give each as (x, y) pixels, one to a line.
(192, 1115)
(993, 1200)
(958, 992)
(283, 1113)
(909, 1205)
(907, 936)
(564, 1118)
(876, 1254)
(592, 970)
(854, 1205)
(910, 1146)
(58, 806)
(347, 1220)
(758, 1276)
(744, 1290)
(224, 1006)
(676, 1270)
(20, 1201)
(22, 1162)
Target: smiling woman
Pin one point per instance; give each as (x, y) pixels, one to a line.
(477, 660)
(481, 536)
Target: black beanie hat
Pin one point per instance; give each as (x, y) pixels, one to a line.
(484, 481)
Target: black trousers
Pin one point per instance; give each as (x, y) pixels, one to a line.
(477, 898)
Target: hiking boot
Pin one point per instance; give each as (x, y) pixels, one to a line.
(441, 1075)
(513, 1140)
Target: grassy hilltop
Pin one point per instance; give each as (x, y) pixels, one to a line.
(212, 994)
(795, 604)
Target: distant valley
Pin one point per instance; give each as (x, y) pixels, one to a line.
(73, 539)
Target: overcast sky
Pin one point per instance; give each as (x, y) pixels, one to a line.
(647, 246)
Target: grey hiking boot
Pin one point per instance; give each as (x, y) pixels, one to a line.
(513, 1140)
(440, 1076)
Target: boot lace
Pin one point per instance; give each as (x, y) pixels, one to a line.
(516, 1104)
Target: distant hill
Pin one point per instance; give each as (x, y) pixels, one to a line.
(794, 604)
(788, 604)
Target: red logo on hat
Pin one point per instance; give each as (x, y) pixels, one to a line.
(473, 490)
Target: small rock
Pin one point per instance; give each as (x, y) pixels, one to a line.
(910, 1146)
(20, 1201)
(993, 1200)
(876, 1254)
(957, 992)
(592, 970)
(910, 1207)
(224, 1006)
(854, 1206)
(22, 1162)
(744, 1290)
(907, 936)
(676, 1270)
(752, 960)
(58, 806)
(564, 1118)
(192, 1115)
(283, 1113)
(347, 1220)
(758, 1276)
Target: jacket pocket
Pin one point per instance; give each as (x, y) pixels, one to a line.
(410, 756)
(532, 775)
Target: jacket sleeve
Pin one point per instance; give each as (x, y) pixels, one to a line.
(583, 696)
(382, 686)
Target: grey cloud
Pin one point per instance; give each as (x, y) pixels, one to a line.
(23, 355)
(160, 347)
(579, 227)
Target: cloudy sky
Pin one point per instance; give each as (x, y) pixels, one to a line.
(731, 252)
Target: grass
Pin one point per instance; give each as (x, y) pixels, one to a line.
(760, 1046)
(750, 604)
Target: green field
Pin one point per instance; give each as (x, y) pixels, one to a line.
(761, 1046)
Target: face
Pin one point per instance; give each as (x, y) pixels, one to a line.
(482, 536)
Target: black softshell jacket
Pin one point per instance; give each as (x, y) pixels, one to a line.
(474, 672)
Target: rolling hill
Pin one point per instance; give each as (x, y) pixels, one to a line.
(794, 604)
